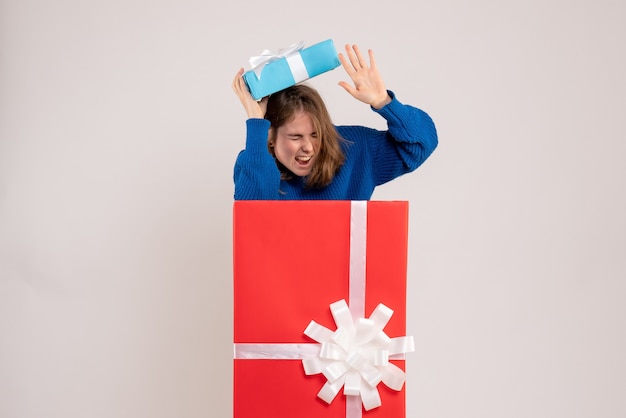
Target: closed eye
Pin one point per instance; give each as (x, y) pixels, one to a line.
(295, 137)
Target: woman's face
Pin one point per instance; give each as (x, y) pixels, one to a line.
(297, 144)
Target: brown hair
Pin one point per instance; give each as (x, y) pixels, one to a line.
(282, 106)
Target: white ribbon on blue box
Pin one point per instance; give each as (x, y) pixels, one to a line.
(272, 72)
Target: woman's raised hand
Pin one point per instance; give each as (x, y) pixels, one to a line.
(253, 108)
(369, 86)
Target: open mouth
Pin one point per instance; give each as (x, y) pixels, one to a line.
(303, 161)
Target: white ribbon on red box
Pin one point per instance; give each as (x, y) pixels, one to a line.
(356, 355)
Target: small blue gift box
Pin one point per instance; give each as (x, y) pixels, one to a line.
(275, 72)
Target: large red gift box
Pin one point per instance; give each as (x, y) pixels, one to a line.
(294, 262)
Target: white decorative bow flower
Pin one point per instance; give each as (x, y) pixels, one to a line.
(356, 355)
(258, 62)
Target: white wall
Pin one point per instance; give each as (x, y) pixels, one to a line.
(118, 132)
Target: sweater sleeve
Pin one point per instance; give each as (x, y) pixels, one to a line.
(410, 139)
(255, 175)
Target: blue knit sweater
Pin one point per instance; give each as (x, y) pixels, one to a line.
(373, 157)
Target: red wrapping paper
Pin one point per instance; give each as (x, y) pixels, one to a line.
(291, 261)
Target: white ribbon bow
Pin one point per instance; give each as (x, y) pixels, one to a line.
(259, 61)
(356, 355)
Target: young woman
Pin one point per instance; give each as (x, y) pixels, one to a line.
(294, 152)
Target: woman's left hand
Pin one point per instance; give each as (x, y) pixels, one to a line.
(253, 108)
(369, 86)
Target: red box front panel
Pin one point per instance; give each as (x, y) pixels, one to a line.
(291, 261)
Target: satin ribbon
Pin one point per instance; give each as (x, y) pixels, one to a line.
(356, 355)
(291, 53)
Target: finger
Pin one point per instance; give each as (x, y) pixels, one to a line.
(372, 60)
(237, 79)
(359, 56)
(344, 63)
(241, 90)
(239, 74)
(353, 58)
(237, 85)
(348, 87)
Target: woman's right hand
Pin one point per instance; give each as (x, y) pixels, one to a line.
(253, 108)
